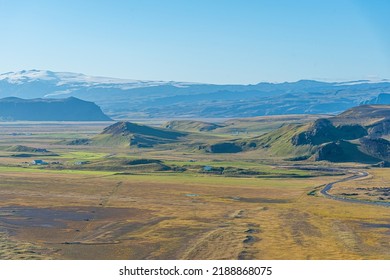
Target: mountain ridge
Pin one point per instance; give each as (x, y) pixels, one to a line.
(127, 98)
(360, 134)
(40, 109)
(336, 139)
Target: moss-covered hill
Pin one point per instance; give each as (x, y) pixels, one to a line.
(357, 135)
(132, 134)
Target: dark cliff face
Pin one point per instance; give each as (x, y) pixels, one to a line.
(224, 148)
(69, 109)
(331, 151)
(343, 151)
(379, 129)
(323, 131)
(378, 147)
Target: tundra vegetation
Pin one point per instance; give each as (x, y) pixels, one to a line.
(236, 189)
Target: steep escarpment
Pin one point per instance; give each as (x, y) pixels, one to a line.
(323, 131)
(68, 109)
(377, 147)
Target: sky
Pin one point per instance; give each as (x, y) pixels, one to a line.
(218, 41)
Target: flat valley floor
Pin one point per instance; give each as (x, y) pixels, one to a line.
(77, 212)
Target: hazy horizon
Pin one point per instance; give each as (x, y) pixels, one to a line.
(130, 79)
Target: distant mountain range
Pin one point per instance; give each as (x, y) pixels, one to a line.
(38, 109)
(121, 99)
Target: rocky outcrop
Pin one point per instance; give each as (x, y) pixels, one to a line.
(323, 131)
(377, 147)
(379, 129)
(225, 147)
(343, 151)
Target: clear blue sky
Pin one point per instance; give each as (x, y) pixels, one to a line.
(214, 41)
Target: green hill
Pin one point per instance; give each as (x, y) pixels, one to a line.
(280, 142)
(189, 125)
(26, 149)
(131, 134)
(21, 151)
(356, 135)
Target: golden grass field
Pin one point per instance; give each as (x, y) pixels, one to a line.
(48, 213)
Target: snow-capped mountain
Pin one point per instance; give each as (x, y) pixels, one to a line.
(126, 98)
(58, 77)
(75, 80)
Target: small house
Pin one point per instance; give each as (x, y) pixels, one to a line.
(38, 162)
(81, 162)
(207, 168)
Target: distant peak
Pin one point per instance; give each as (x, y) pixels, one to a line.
(11, 98)
(78, 79)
